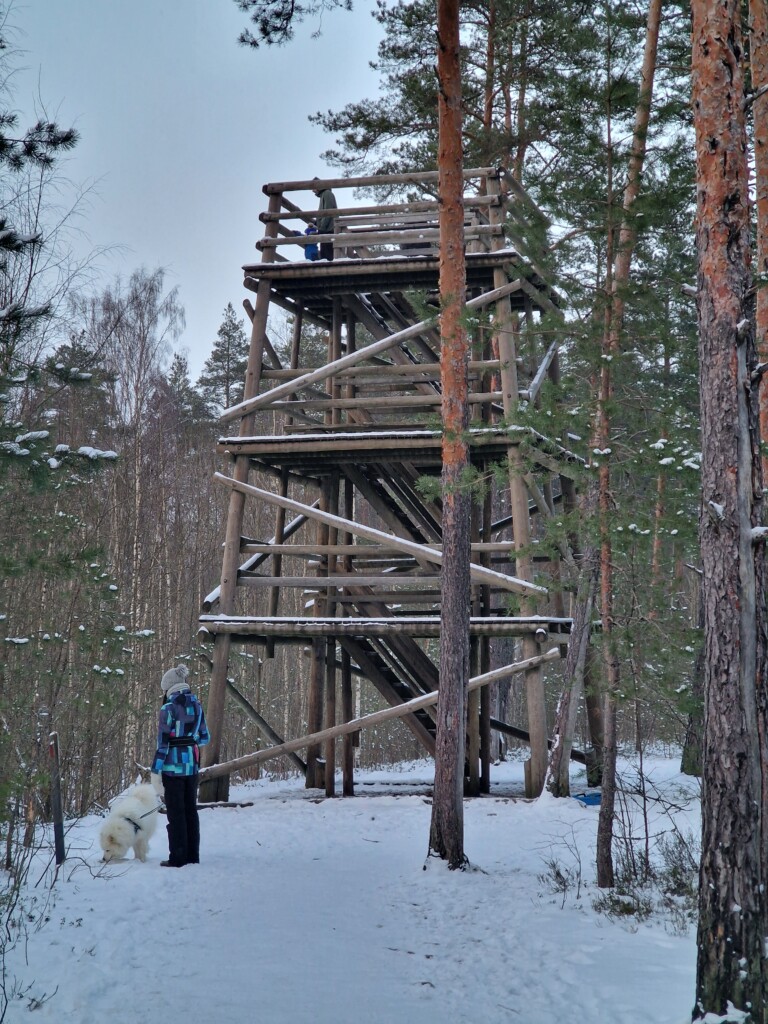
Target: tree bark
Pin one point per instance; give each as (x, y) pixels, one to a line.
(758, 58)
(732, 900)
(446, 837)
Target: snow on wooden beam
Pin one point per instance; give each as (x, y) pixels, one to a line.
(479, 573)
(408, 708)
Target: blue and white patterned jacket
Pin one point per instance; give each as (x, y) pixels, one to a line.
(181, 730)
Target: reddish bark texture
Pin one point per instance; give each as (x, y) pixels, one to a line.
(732, 909)
(446, 838)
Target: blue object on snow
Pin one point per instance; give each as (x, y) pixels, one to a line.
(588, 799)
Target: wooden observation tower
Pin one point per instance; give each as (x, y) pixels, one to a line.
(349, 448)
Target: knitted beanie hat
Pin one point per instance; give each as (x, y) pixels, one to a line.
(174, 677)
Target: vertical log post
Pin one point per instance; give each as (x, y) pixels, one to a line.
(536, 767)
(56, 808)
(347, 708)
(213, 790)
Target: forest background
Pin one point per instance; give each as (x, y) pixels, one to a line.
(112, 533)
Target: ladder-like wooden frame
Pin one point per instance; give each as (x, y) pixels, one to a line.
(362, 432)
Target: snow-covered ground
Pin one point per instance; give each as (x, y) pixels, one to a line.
(306, 909)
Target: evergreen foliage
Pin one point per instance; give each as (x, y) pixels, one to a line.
(221, 382)
(26, 155)
(551, 93)
(275, 20)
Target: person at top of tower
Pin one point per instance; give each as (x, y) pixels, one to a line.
(325, 220)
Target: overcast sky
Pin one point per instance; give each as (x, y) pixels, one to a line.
(180, 127)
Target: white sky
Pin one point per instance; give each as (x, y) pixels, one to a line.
(180, 128)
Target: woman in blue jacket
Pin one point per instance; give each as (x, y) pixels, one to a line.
(181, 732)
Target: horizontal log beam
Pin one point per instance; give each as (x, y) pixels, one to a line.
(368, 721)
(335, 580)
(381, 402)
(421, 206)
(384, 236)
(419, 371)
(406, 178)
(210, 599)
(357, 551)
(378, 626)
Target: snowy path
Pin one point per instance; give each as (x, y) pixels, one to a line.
(323, 912)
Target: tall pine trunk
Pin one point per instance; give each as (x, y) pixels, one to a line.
(732, 900)
(619, 266)
(446, 836)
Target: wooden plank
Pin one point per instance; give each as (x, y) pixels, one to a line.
(421, 551)
(368, 721)
(404, 598)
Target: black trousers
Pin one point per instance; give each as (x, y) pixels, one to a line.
(326, 250)
(183, 822)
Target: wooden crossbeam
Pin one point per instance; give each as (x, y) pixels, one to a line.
(336, 580)
(381, 626)
(405, 178)
(357, 551)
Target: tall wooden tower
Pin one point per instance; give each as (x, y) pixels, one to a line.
(349, 448)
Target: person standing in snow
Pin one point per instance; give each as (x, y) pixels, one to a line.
(181, 731)
(325, 220)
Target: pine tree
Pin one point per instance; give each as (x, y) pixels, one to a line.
(275, 20)
(190, 404)
(221, 382)
(25, 157)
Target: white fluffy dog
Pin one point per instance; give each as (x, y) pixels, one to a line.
(131, 823)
